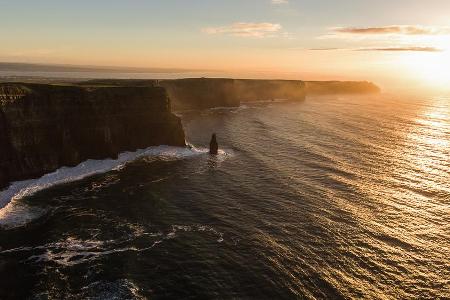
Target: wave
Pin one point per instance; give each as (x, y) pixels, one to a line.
(72, 251)
(102, 289)
(15, 214)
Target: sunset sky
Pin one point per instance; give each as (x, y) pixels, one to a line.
(401, 41)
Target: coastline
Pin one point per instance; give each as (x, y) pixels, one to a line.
(27, 105)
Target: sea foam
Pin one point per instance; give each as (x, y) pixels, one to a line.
(13, 213)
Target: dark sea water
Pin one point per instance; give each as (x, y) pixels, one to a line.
(332, 198)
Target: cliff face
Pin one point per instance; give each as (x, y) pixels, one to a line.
(201, 93)
(44, 127)
(254, 90)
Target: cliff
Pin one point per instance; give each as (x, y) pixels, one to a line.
(256, 90)
(340, 87)
(201, 93)
(44, 127)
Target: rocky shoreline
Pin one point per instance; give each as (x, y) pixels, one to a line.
(47, 126)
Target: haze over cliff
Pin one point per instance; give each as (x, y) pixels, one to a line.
(340, 87)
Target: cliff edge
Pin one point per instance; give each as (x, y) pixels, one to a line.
(44, 127)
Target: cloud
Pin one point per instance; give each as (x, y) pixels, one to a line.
(326, 49)
(393, 38)
(278, 2)
(386, 49)
(400, 49)
(242, 29)
(394, 29)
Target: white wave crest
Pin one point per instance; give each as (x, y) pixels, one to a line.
(14, 214)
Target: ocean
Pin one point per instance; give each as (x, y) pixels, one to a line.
(336, 197)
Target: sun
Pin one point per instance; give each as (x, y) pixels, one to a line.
(431, 68)
(435, 69)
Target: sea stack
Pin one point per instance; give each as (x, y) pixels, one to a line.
(213, 146)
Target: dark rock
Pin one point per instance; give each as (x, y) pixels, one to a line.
(213, 145)
(44, 127)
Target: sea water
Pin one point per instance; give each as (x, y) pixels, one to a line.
(333, 197)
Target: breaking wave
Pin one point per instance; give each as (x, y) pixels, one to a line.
(13, 213)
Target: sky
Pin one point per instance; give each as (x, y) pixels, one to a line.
(395, 42)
